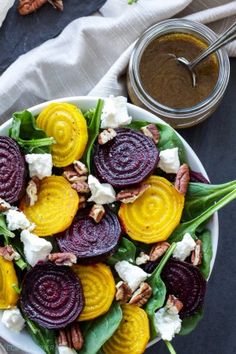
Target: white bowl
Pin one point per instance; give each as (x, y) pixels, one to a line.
(23, 340)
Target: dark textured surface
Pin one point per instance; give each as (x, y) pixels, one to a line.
(19, 33)
(215, 143)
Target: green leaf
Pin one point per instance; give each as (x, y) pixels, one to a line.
(25, 132)
(4, 230)
(88, 115)
(190, 323)
(170, 347)
(93, 131)
(192, 225)
(125, 252)
(201, 196)
(159, 290)
(168, 137)
(45, 338)
(16, 288)
(207, 253)
(101, 330)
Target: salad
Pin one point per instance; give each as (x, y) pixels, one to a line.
(103, 230)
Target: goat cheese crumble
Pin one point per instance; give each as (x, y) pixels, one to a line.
(17, 220)
(115, 112)
(102, 193)
(169, 160)
(13, 320)
(184, 248)
(35, 248)
(62, 349)
(131, 274)
(40, 165)
(167, 323)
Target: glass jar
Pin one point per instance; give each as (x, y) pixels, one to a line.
(177, 117)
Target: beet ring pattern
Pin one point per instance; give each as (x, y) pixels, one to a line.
(126, 160)
(12, 170)
(51, 296)
(90, 241)
(186, 282)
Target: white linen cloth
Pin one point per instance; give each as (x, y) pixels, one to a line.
(91, 55)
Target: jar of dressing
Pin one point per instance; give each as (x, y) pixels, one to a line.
(162, 85)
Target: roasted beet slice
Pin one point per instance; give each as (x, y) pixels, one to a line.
(12, 170)
(185, 282)
(51, 295)
(198, 177)
(91, 241)
(126, 160)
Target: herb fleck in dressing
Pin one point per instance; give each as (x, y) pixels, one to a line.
(167, 80)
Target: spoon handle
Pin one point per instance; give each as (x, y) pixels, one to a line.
(228, 36)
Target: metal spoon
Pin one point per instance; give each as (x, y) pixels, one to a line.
(228, 36)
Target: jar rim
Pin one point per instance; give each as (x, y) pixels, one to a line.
(178, 26)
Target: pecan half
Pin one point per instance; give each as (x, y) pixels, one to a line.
(182, 179)
(173, 304)
(158, 250)
(143, 258)
(97, 212)
(80, 168)
(141, 296)
(196, 256)
(63, 258)
(130, 195)
(106, 135)
(81, 187)
(32, 191)
(26, 7)
(8, 253)
(151, 132)
(82, 201)
(73, 177)
(123, 292)
(71, 337)
(4, 206)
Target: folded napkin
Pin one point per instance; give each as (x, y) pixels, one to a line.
(90, 56)
(5, 6)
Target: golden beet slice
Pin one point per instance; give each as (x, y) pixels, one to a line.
(154, 215)
(67, 125)
(55, 208)
(133, 334)
(8, 278)
(99, 289)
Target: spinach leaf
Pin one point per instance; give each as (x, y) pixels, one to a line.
(159, 290)
(201, 196)
(45, 338)
(192, 225)
(25, 132)
(170, 347)
(101, 330)
(88, 115)
(4, 230)
(207, 253)
(125, 252)
(190, 323)
(168, 137)
(93, 131)
(10, 239)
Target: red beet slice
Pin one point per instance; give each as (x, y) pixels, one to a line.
(51, 295)
(12, 170)
(186, 282)
(91, 241)
(126, 160)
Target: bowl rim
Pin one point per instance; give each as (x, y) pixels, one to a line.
(13, 338)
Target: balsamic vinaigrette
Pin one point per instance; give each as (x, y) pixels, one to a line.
(167, 80)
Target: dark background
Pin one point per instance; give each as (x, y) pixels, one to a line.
(214, 141)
